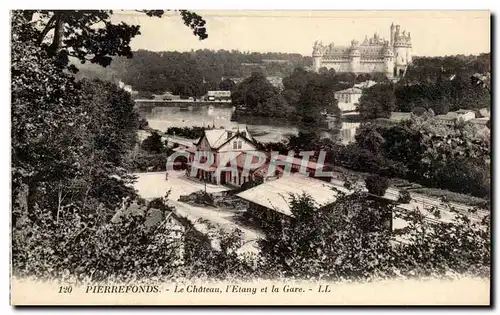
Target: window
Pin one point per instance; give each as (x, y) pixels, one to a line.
(240, 144)
(235, 145)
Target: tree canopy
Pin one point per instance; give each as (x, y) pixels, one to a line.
(377, 101)
(90, 35)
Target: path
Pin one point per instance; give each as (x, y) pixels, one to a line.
(154, 185)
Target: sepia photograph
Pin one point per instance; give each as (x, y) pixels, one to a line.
(244, 157)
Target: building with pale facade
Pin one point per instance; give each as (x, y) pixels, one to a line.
(376, 54)
(348, 99)
(219, 96)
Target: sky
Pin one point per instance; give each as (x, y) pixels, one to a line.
(434, 33)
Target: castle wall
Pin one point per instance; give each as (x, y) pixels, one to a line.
(363, 67)
(409, 58)
(337, 65)
(372, 66)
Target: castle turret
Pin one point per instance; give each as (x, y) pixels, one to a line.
(408, 49)
(317, 55)
(355, 57)
(402, 51)
(388, 61)
(392, 34)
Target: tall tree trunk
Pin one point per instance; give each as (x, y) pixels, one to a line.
(58, 34)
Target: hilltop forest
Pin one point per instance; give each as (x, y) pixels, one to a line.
(192, 73)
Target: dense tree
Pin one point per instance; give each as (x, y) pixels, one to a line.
(275, 106)
(362, 77)
(46, 117)
(303, 141)
(298, 80)
(312, 102)
(346, 77)
(260, 97)
(429, 69)
(90, 35)
(377, 101)
(227, 85)
(108, 137)
(380, 77)
(318, 96)
(444, 83)
(426, 150)
(292, 97)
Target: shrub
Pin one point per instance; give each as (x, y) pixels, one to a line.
(404, 196)
(419, 111)
(153, 143)
(144, 162)
(143, 124)
(194, 132)
(376, 184)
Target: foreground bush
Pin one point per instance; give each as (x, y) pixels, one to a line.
(350, 240)
(376, 185)
(140, 242)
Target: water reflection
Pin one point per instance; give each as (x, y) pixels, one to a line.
(264, 129)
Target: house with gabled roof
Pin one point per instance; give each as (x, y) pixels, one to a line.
(228, 145)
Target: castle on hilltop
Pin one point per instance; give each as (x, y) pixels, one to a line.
(376, 54)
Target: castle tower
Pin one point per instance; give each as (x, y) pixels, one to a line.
(392, 34)
(409, 57)
(389, 61)
(355, 57)
(317, 55)
(400, 52)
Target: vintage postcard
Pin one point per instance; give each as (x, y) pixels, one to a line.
(190, 157)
